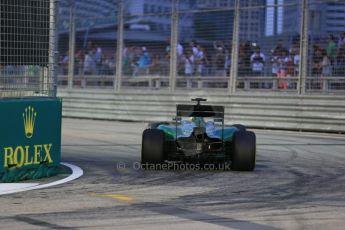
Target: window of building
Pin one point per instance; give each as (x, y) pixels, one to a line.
(146, 9)
(223, 3)
(153, 9)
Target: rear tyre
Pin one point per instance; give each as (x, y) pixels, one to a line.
(152, 151)
(240, 127)
(244, 151)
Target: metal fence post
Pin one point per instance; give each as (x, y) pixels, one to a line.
(119, 46)
(234, 50)
(173, 45)
(71, 50)
(303, 48)
(52, 71)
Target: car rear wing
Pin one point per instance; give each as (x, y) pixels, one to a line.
(200, 111)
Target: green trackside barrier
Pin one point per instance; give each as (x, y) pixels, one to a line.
(30, 138)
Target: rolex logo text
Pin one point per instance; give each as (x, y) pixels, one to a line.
(28, 154)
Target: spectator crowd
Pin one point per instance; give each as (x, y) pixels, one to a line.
(195, 59)
(90, 60)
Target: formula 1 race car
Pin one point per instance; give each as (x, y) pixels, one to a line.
(198, 133)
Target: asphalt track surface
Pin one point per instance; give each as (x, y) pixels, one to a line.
(299, 183)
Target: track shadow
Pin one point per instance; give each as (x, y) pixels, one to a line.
(201, 217)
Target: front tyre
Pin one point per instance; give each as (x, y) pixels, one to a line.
(244, 151)
(152, 151)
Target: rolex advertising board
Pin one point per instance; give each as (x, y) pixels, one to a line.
(30, 133)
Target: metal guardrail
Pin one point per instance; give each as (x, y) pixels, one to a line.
(326, 84)
(151, 82)
(286, 84)
(271, 83)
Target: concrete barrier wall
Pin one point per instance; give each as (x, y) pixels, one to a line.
(277, 111)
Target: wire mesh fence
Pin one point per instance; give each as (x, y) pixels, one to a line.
(254, 45)
(204, 54)
(269, 52)
(146, 49)
(326, 50)
(27, 48)
(87, 44)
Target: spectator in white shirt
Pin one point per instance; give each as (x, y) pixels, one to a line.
(341, 40)
(189, 64)
(257, 61)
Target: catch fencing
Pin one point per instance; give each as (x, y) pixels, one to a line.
(27, 48)
(228, 45)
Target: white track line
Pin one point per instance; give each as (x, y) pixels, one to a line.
(5, 187)
(76, 173)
